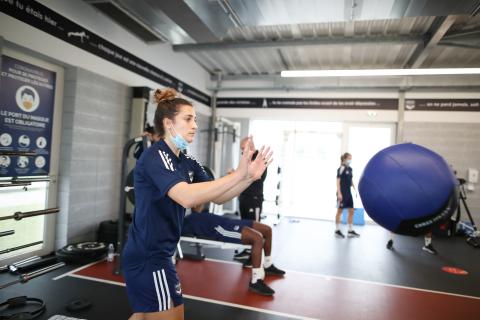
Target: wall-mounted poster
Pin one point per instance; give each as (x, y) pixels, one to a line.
(26, 113)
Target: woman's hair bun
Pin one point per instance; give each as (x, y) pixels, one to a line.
(165, 94)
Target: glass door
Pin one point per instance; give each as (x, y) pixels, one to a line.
(363, 142)
(311, 159)
(308, 155)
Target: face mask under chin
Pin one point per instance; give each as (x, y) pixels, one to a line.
(179, 141)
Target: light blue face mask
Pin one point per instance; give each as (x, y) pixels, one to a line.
(179, 141)
(348, 162)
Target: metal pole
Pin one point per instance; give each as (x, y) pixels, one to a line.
(20, 215)
(211, 133)
(7, 233)
(14, 184)
(401, 116)
(27, 276)
(21, 247)
(121, 213)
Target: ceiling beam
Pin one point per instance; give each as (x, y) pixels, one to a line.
(437, 30)
(180, 13)
(459, 45)
(475, 33)
(283, 60)
(398, 39)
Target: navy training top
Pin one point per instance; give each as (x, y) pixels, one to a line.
(345, 175)
(157, 221)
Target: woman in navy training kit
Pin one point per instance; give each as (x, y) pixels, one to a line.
(344, 195)
(164, 187)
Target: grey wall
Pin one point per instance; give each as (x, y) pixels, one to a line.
(458, 143)
(95, 124)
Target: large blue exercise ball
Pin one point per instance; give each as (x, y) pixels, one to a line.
(408, 189)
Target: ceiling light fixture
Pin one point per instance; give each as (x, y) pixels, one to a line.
(378, 72)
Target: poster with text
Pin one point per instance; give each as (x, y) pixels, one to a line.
(26, 113)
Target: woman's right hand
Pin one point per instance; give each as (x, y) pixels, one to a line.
(339, 196)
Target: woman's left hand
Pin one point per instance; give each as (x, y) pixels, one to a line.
(257, 167)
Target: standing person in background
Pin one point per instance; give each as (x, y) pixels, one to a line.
(428, 247)
(344, 195)
(251, 199)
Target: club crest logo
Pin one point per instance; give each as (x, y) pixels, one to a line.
(410, 104)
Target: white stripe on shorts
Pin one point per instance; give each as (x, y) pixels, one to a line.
(162, 289)
(168, 289)
(228, 234)
(160, 304)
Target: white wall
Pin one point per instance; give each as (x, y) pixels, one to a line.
(160, 55)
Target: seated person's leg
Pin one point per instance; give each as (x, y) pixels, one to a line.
(266, 232)
(216, 227)
(255, 239)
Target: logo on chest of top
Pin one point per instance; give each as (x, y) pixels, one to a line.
(190, 175)
(167, 161)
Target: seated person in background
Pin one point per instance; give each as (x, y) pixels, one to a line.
(258, 235)
(148, 132)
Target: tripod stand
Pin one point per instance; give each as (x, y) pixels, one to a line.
(474, 238)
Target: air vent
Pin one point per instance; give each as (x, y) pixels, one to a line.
(126, 21)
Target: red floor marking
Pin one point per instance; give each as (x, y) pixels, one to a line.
(308, 295)
(454, 270)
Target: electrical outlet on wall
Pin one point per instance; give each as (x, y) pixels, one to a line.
(472, 175)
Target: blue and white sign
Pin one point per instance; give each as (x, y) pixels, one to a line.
(26, 113)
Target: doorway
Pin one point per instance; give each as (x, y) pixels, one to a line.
(308, 155)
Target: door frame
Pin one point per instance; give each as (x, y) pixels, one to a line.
(49, 232)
